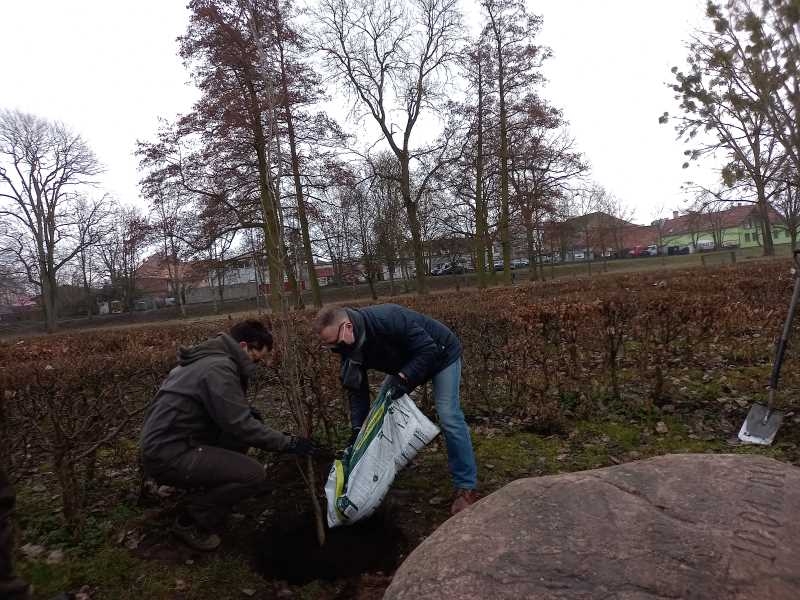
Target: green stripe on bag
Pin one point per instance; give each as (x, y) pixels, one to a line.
(372, 429)
(340, 481)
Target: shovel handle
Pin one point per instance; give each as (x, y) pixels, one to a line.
(787, 328)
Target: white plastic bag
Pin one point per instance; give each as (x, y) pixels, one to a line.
(392, 434)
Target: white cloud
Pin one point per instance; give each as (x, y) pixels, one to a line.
(106, 69)
(110, 69)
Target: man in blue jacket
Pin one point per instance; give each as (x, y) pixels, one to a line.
(411, 349)
(199, 428)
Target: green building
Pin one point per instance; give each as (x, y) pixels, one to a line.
(737, 227)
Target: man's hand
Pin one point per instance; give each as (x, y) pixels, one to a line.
(397, 387)
(300, 446)
(256, 414)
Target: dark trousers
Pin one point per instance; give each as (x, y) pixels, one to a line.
(225, 476)
(11, 587)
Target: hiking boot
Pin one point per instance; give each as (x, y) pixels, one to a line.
(195, 536)
(463, 499)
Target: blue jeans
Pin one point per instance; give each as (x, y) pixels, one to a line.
(460, 457)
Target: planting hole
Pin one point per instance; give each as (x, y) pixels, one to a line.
(289, 551)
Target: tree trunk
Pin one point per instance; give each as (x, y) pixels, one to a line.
(49, 287)
(766, 229)
(71, 494)
(480, 202)
(505, 239)
(319, 518)
(413, 221)
(390, 265)
(490, 261)
(269, 208)
(291, 277)
(308, 251)
(527, 214)
(371, 283)
(87, 293)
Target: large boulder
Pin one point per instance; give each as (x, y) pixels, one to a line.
(698, 526)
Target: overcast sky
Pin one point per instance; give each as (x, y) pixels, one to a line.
(109, 69)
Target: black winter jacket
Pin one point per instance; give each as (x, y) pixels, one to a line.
(398, 339)
(202, 399)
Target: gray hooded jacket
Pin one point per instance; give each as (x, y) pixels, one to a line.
(202, 400)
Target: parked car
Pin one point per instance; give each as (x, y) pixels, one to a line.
(448, 268)
(639, 251)
(520, 263)
(453, 270)
(705, 245)
(675, 250)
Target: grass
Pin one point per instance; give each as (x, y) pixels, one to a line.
(116, 573)
(503, 455)
(704, 410)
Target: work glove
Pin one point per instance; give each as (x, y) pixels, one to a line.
(256, 414)
(397, 387)
(300, 446)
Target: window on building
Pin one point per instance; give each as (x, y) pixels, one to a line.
(746, 237)
(786, 234)
(775, 234)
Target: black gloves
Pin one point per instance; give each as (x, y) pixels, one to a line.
(300, 446)
(256, 414)
(397, 387)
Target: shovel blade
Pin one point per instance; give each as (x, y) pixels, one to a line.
(761, 425)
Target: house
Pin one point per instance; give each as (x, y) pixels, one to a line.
(155, 275)
(596, 235)
(736, 227)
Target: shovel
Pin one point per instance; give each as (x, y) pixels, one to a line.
(762, 422)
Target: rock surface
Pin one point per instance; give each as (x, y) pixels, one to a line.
(691, 526)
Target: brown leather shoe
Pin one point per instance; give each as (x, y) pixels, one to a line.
(463, 499)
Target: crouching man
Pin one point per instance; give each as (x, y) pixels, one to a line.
(411, 349)
(200, 426)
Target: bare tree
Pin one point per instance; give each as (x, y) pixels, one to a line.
(360, 204)
(172, 222)
(544, 168)
(122, 250)
(389, 218)
(695, 225)
(215, 239)
(93, 225)
(42, 166)
(617, 221)
(516, 58)
(584, 204)
(393, 56)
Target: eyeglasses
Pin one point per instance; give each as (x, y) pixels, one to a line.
(332, 345)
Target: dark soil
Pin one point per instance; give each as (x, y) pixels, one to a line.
(289, 551)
